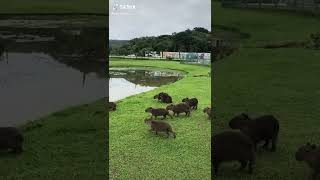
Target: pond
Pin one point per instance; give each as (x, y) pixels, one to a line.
(46, 68)
(124, 82)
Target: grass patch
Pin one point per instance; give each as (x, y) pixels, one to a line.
(135, 153)
(69, 144)
(277, 81)
(266, 26)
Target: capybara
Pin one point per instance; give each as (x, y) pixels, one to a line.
(179, 108)
(112, 106)
(158, 112)
(160, 126)
(163, 97)
(11, 138)
(160, 95)
(311, 155)
(166, 99)
(232, 146)
(263, 128)
(193, 102)
(208, 110)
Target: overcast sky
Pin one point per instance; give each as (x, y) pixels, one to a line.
(136, 18)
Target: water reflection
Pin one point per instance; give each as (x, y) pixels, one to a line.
(124, 82)
(43, 70)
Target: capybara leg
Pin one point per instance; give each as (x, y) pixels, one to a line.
(251, 163)
(255, 146)
(17, 150)
(243, 165)
(265, 146)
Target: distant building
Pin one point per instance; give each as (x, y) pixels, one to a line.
(188, 56)
(151, 54)
(131, 55)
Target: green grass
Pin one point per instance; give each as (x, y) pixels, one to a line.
(280, 81)
(53, 6)
(266, 26)
(135, 153)
(70, 144)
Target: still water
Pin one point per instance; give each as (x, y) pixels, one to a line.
(47, 69)
(124, 82)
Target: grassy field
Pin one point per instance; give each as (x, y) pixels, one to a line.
(53, 6)
(70, 144)
(135, 153)
(279, 81)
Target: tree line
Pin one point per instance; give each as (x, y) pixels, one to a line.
(196, 40)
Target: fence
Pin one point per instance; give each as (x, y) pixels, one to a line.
(189, 57)
(183, 57)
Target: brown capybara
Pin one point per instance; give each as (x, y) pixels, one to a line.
(112, 106)
(232, 146)
(166, 99)
(11, 138)
(193, 102)
(310, 153)
(208, 110)
(163, 97)
(160, 95)
(263, 128)
(158, 112)
(179, 108)
(160, 126)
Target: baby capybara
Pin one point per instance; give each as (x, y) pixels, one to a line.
(160, 126)
(263, 128)
(112, 106)
(208, 110)
(11, 138)
(193, 102)
(179, 108)
(232, 146)
(311, 155)
(158, 112)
